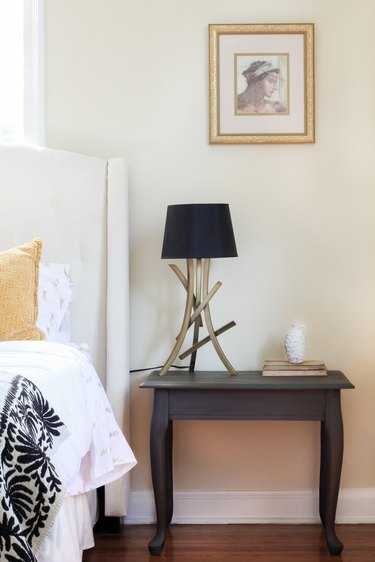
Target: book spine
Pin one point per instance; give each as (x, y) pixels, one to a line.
(295, 373)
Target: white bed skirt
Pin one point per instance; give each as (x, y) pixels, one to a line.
(72, 531)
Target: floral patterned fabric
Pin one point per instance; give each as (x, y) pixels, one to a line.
(31, 492)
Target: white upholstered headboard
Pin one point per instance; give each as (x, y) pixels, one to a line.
(78, 206)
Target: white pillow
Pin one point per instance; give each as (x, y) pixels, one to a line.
(55, 295)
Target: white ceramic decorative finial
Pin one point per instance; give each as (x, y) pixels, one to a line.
(295, 343)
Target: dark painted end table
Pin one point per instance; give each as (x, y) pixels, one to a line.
(216, 395)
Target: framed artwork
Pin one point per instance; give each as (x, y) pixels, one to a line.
(261, 83)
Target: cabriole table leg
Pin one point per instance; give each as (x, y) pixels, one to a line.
(161, 469)
(332, 451)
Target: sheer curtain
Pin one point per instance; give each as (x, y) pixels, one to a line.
(21, 69)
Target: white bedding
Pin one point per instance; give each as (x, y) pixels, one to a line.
(96, 452)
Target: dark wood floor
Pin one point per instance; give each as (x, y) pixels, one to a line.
(235, 543)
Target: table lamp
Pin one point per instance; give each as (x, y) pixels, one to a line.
(198, 232)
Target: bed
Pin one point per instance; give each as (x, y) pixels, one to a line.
(69, 212)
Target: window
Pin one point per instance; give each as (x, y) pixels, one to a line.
(21, 71)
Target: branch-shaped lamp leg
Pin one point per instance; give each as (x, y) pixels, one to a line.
(186, 318)
(207, 317)
(197, 299)
(198, 320)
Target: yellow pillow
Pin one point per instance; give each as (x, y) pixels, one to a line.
(19, 276)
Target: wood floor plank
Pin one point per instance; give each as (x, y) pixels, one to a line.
(235, 543)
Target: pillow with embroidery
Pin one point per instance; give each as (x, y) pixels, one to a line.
(55, 295)
(19, 273)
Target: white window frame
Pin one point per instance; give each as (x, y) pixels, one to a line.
(34, 131)
(32, 112)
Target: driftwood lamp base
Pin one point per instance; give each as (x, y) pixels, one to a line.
(197, 310)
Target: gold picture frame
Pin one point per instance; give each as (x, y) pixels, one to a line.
(261, 83)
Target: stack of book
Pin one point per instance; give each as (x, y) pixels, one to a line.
(286, 369)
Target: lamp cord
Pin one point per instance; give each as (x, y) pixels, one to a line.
(160, 367)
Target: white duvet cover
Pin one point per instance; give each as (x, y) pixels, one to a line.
(96, 452)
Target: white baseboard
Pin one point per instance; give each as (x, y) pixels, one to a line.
(224, 507)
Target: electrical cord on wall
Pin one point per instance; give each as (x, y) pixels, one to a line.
(160, 367)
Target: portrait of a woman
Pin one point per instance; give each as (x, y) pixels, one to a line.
(262, 93)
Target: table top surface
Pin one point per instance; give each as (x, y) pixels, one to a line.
(249, 380)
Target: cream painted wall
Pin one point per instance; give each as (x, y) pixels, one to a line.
(129, 78)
